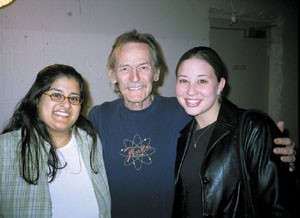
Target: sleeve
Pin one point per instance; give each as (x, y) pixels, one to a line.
(269, 177)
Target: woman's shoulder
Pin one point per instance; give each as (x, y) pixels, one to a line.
(81, 133)
(10, 136)
(9, 143)
(258, 120)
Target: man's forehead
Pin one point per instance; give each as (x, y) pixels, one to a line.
(138, 53)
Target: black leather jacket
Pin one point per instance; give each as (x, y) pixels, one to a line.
(220, 174)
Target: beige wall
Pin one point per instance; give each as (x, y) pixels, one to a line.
(34, 34)
(80, 33)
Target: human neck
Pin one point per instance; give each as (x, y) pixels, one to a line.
(61, 139)
(208, 117)
(137, 106)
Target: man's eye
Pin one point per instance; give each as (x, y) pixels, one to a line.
(144, 68)
(123, 69)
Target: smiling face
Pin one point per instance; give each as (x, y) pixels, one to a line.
(134, 73)
(59, 117)
(198, 89)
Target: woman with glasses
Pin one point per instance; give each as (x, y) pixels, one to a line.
(51, 159)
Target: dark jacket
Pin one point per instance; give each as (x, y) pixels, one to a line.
(220, 174)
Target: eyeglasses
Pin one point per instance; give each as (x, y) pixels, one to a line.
(57, 97)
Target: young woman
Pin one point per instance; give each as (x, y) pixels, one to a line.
(208, 174)
(51, 159)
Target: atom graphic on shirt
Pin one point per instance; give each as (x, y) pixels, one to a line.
(137, 152)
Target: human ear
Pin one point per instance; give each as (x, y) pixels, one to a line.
(221, 85)
(156, 75)
(112, 76)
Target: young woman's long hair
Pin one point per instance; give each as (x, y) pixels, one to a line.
(34, 131)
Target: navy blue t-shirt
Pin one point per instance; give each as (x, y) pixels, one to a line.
(139, 149)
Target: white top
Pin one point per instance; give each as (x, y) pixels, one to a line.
(71, 191)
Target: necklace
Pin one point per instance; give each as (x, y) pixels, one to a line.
(204, 131)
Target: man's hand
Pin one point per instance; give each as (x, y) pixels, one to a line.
(289, 151)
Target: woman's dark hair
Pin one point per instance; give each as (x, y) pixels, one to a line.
(210, 56)
(34, 132)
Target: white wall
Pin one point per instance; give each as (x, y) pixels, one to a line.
(36, 33)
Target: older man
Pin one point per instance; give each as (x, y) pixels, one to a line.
(139, 130)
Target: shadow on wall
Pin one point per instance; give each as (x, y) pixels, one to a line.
(88, 100)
